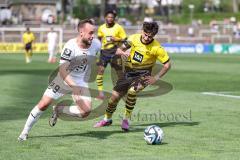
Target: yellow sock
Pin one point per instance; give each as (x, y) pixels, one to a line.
(127, 114)
(111, 108)
(99, 80)
(130, 103)
(107, 116)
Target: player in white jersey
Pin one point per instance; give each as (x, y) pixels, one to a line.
(73, 71)
(52, 45)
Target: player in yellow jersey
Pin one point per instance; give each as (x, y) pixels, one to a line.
(145, 50)
(28, 38)
(111, 35)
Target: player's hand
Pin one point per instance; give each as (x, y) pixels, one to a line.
(122, 53)
(150, 80)
(113, 39)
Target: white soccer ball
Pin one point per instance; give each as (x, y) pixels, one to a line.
(153, 135)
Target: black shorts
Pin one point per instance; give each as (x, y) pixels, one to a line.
(108, 56)
(28, 46)
(132, 79)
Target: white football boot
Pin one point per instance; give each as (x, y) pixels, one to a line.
(54, 117)
(23, 137)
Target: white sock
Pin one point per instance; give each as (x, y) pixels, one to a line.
(32, 119)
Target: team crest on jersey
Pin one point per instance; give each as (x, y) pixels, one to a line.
(66, 54)
(138, 57)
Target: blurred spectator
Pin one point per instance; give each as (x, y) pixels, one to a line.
(235, 31)
(20, 18)
(212, 6)
(191, 31)
(124, 21)
(50, 19)
(216, 5)
(47, 16)
(5, 16)
(135, 8)
(214, 26)
(76, 21)
(233, 20)
(207, 6)
(177, 4)
(165, 10)
(111, 5)
(235, 27)
(199, 22)
(151, 4)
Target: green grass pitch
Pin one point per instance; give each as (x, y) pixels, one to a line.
(196, 126)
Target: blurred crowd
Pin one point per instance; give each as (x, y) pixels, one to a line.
(132, 10)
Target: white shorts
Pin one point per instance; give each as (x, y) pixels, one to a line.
(59, 88)
(56, 95)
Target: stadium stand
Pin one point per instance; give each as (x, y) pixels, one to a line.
(167, 33)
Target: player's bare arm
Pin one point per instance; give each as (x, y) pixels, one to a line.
(65, 74)
(153, 79)
(123, 49)
(116, 39)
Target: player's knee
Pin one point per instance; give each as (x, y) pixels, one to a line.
(114, 98)
(42, 106)
(44, 103)
(100, 70)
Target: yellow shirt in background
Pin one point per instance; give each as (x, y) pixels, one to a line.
(106, 32)
(28, 37)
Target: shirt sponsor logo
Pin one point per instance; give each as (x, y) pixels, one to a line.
(138, 57)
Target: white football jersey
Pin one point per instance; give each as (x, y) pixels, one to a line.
(80, 59)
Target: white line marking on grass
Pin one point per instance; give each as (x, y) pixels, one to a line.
(220, 94)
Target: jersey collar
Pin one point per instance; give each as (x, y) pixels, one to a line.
(110, 26)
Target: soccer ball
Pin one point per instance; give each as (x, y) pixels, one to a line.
(153, 135)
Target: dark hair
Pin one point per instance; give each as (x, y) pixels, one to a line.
(150, 27)
(113, 12)
(82, 23)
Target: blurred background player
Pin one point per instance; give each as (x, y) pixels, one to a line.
(110, 34)
(145, 50)
(83, 46)
(52, 45)
(28, 38)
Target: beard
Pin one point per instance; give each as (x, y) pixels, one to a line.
(87, 42)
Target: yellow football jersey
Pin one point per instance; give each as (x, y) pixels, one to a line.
(28, 37)
(106, 32)
(144, 56)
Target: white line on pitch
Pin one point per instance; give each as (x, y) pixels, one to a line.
(220, 94)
